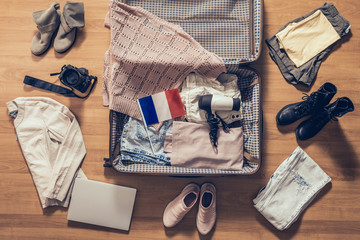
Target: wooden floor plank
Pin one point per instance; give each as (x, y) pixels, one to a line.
(335, 213)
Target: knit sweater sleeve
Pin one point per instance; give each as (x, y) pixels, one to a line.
(107, 20)
(106, 79)
(210, 65)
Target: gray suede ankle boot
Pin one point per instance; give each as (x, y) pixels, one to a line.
(47, 22)
(71, 18)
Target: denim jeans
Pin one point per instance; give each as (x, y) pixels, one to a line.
(135, 145)
(291, 188)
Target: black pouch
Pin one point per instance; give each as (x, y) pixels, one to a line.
(72, 77)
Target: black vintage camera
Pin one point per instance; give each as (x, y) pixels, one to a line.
(74, 77)
(70, 76)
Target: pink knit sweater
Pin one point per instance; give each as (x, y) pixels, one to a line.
(148, 55)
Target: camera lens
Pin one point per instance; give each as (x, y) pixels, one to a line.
(71, 77)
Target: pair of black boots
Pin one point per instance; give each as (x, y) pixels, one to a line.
(317, 105)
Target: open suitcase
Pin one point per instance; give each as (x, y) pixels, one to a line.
(237, 25)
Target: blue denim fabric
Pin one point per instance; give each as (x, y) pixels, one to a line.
(290, 190)
(135, 145)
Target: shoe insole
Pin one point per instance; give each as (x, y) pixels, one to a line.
(189, 199)
(206, 199)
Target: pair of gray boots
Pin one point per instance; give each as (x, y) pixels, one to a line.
(51, 21)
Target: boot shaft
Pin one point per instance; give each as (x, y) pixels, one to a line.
(73, 14)
(323, 96)
(340, 107)
(313, 125)
(49, 19)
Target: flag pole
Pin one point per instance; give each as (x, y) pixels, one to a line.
(146, 127)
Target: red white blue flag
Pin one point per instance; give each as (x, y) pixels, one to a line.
(161, 106)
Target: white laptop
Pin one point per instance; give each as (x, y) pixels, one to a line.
(101, 204)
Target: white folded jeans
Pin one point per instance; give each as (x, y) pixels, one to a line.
(52, 144)
(291, 188)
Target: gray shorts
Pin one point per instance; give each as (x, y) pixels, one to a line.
(306, 73)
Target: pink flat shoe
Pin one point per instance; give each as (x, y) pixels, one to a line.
(206, 216)
(177, 208)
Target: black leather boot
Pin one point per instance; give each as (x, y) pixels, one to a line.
(311, 104)
(310, 127)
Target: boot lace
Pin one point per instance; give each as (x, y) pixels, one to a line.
(323, 117)
(309, 103)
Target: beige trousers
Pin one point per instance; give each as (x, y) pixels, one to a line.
(305, 39)
(189, 146)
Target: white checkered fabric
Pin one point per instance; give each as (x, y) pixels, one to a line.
(223, 27)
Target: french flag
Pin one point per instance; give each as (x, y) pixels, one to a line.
(161, 106)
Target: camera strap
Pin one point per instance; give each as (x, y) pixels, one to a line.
(35, 82)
